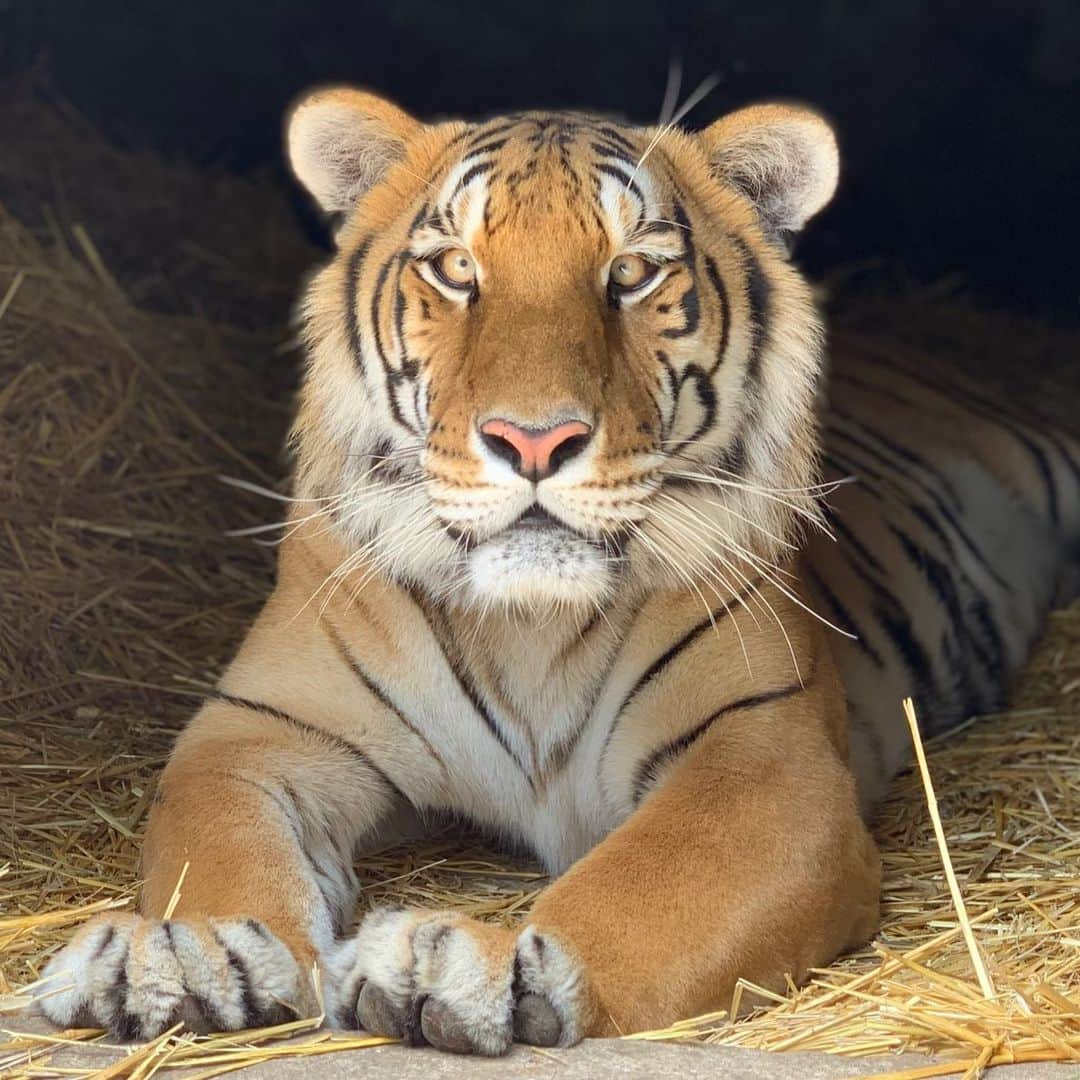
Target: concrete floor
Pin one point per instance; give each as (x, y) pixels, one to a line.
(592, 1060)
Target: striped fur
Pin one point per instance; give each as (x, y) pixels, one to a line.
(653, 666)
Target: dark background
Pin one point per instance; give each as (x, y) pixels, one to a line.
(959, 122)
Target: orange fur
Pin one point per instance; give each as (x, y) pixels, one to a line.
(613, 661)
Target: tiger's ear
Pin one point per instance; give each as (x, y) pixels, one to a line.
(783, 157)
(341, 142)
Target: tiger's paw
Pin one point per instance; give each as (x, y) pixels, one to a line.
(442, 979)
(137, 977)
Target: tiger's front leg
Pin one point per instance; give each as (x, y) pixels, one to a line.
(746, 859)
(749, 860)
(265, 815)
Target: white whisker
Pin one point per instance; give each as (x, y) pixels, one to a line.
(704, 87)
(761, 599)
(671, 91)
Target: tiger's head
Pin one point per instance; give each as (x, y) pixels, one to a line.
(555, 355)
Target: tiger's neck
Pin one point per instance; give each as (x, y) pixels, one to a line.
(542, 672)
(538, 677)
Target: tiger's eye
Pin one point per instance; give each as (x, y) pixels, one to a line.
(455, 267)
(631, 271)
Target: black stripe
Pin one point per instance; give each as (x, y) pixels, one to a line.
(673, 387)
(252, 1012)
(352, 318)
(994, 410)
(339, 743)
(106, 941)
(1038, 455)
(841, 615)
(688, 639)
(725, 312)
(468, 176)
(491, 132)
(991, 652)
(376, 690)
(392, 378)
(1008, 423)
(612, 135)
(258, 929)
(895, 623)
(485, 148)
(125, 1023)
(399, 315)
(410, 368)
(907, 500)
(216, 1021)
(961, 651)
(938, 502)
(672, 653)
(614, 152)
(904, 452)
(376, 301)
(418, 219)
(645, 773)
(706, 395)
(438, 225)
(467, 686)
(691, 312)
(294, 816)
(923, 515)
(758, 295)
(689, 299)
(652, 228)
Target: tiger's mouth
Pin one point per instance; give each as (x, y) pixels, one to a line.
(540, 524)
(536, 518)
(538, 557)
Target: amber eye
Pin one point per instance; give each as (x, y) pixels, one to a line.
(629, 272)
(455, 268)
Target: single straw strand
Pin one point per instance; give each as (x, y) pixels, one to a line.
(981, 973)
(175, 898)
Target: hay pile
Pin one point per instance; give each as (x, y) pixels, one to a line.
(121, 598)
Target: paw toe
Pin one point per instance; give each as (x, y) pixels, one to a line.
(377, 1013)
(137, 977)
(536, 1022)
(444, 1029)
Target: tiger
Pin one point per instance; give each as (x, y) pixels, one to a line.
(588, 546)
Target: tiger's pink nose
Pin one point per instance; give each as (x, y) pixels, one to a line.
(535, 453)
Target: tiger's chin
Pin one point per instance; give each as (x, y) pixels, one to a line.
(539, 568)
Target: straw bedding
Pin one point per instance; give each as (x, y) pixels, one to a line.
(142, 352)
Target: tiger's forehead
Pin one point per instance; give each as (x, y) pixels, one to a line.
(539, 170)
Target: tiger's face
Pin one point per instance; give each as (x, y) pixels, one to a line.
(555, 355)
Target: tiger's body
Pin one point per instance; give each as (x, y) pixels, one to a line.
(957, 538)
(544, 572)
